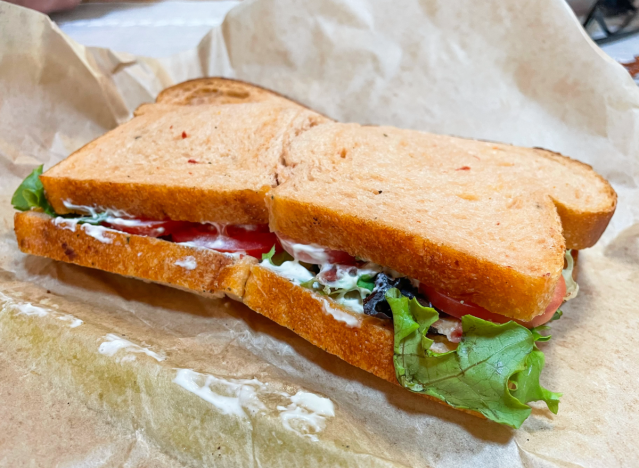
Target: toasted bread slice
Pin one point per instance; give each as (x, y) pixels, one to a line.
(190, 163)
(203, 271)
(483, 222)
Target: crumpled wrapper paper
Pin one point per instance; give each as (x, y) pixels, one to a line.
(521, 73)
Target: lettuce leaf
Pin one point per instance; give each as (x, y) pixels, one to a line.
(527, 387)
(366, 282)
(30, 194)
(490, 360)
(269, 255)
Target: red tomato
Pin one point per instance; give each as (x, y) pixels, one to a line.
(145, 227)
(253, 242)
(232, 230)
(315, 254)
(459, 309)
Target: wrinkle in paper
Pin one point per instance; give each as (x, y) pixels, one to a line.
(524, 74)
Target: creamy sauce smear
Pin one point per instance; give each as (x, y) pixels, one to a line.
(236, 395)
(305, 413)
(28, 309)
(188, 263)
(97, 232)
(68, 224)
(291, 270)
(114, 343)
(340, 315)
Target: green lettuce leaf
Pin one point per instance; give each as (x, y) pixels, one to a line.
(96, 219)
(269, 255)
(30, 194)
(527, 383)
(477, 375)
(366, 282)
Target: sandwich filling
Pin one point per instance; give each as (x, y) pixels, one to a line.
(233, 239)
(455, 351)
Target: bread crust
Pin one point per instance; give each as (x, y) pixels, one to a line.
(216, 90)
(147, 258)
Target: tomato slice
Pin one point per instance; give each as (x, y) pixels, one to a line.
(235, 239)
(143, 227)
(315, 254)
(233, 230)
(458, 308)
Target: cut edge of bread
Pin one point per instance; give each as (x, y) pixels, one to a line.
(203, 271)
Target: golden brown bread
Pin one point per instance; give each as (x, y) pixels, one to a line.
(199, 163)
(475, 220)
(203, 271)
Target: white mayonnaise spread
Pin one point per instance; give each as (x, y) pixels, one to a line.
(94, 211)
(304, 413)
(312, 402)
(114, 343)
(311, 251)
(229, 396)
(26, 308)
(68, 224)
(97, 232)
(188, 263)
(290, 270)
(307, 413)
(74, 322)
(130, 222)
(353, 303)
(340, 315)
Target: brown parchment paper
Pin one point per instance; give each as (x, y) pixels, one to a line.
(521, 73)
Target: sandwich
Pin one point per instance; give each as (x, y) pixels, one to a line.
(433, 262)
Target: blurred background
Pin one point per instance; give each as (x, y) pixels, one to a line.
(162, 28)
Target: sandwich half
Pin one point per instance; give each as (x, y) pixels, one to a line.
(430, 261)
(175, 195)
(439, 259)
